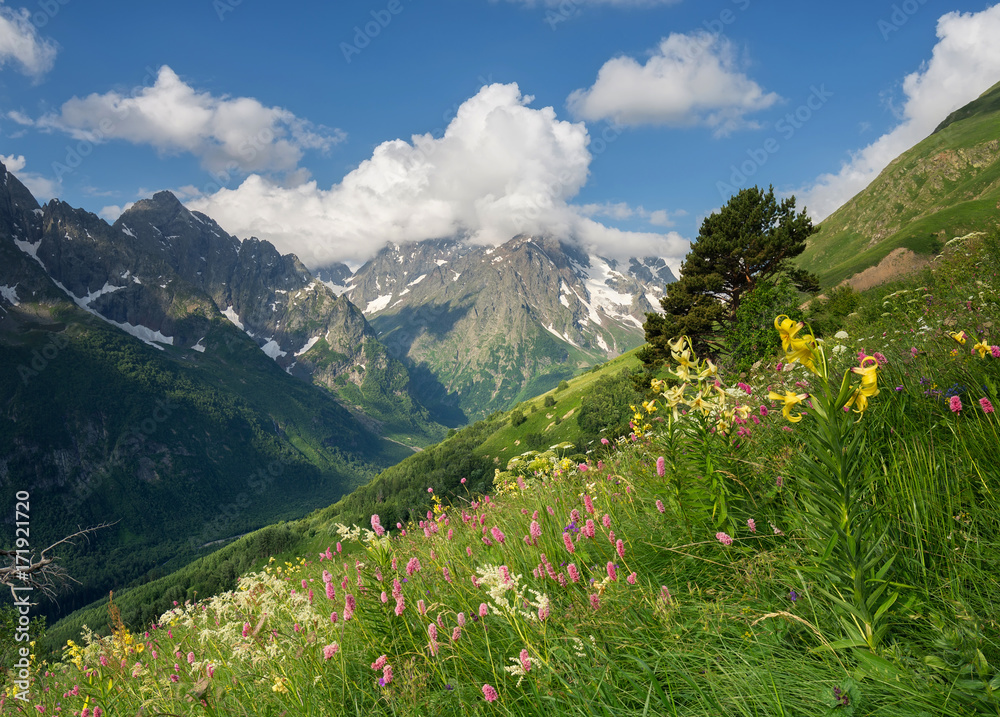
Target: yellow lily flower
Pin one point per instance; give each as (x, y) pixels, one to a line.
(682, 373)
(804, 351)
(859, 400)
(684, 359)
(983, 348)
(787, 329)
(868, 370)
(710, 370)
(677, 345)
(791, 400)
(960, 337)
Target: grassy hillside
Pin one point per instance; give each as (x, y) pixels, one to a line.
(827, 563)
(948, 185)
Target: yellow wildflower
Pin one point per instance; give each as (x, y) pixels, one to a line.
(791, 400)
(960, 337)
(983, 348)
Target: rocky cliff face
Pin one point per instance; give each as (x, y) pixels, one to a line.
(495, 325)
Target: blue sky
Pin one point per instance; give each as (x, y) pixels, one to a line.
(330, 128)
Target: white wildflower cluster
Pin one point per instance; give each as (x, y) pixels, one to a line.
(497, 585)
(516, 669)
(352, 534)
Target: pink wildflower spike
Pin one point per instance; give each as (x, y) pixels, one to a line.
(595, 602)
(535, 530)
(330, 592)
(955, 404)
(659, 506)
(552, 511)
(574, 574)
(380, 663)
(430, 490)
(384, 597)
(612, 573)
(447, 575)
(462, 481)
(468, 551)
(412, 566)
(489, 694)
(333, 617)
(339, 548)
(190, 658)
(985, 404)
(588, 504)
(386, 675)
(620, 547)
(498, 535)
(349, 605)
(611, 536)
(995, 351)
(664, 593)
(397, 588)
(752, 524)
(451, 533)
(631, 578)
(400, 605)
(483, 609)
(456, 634)
(421, 607)
(606, 520)
(525, 661)
(461, 619)
(605, 441)
(661, 466)
(568, 542)
(589, 529)
(574, 515)
(723, 538)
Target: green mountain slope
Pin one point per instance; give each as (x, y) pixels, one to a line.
(948, 185)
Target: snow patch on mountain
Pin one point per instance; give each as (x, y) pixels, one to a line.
(272, 349)
(231, 314)
(10, 294)
(377, 304)
(309, 344)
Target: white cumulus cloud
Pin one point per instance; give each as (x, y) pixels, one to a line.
(687, 80)
(500, 168)
(41, 188)
(965, 63)
(228, 134)
(21, 44)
